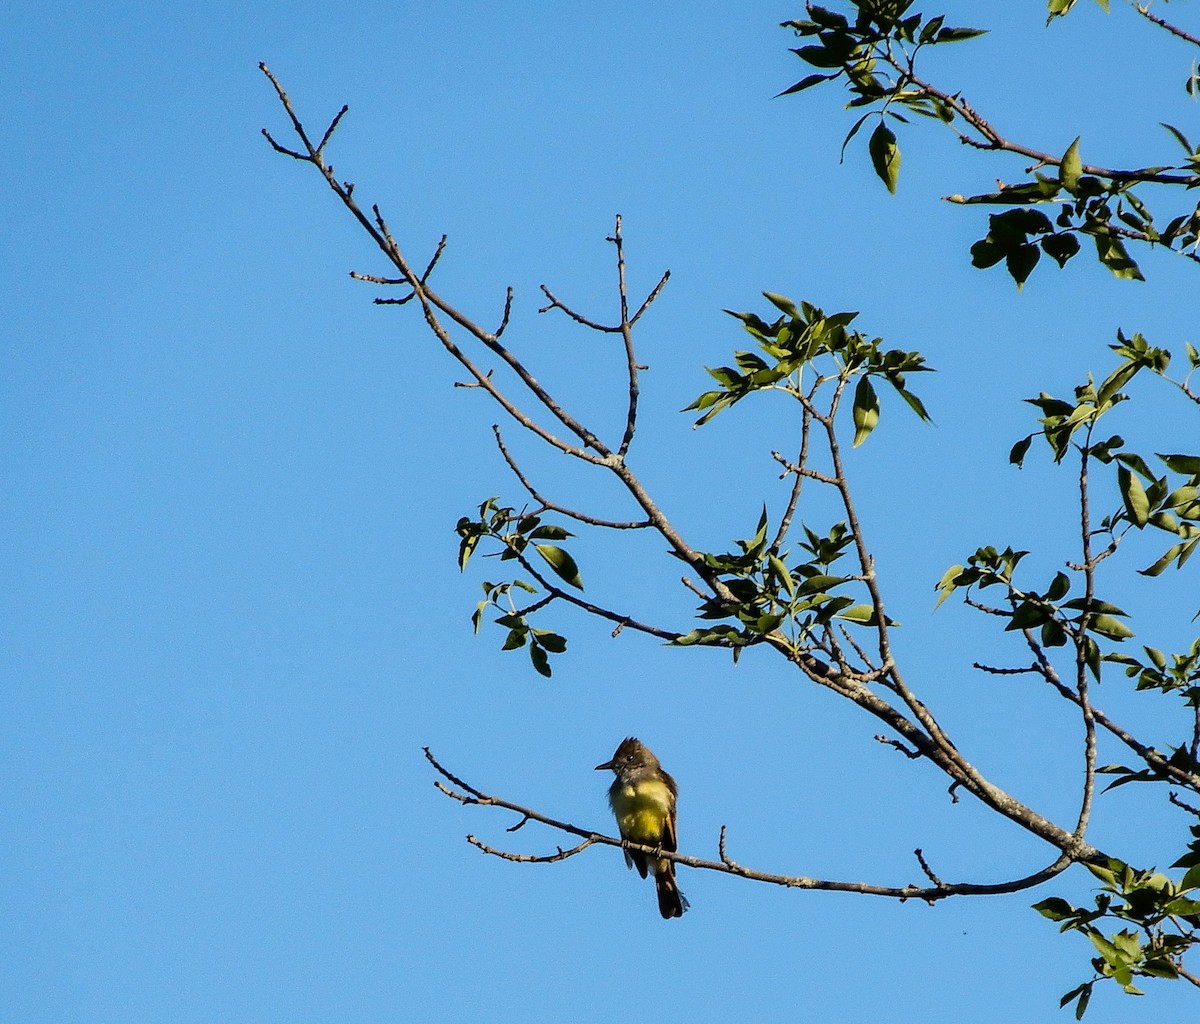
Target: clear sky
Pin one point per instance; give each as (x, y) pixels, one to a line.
(232, 615)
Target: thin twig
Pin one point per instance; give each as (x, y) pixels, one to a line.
(631, 363)
(579, 318)
(992, 670)
(992, 139)
(332, 127)
(926, 868)
(1175, 30)
(551, 506)
(662, 281)
(595, 609)
(1148, 754)
(526, 858)
(1082, 641)
(896, 744)
(1183, 805)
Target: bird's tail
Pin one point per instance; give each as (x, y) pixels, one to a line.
(671, 902)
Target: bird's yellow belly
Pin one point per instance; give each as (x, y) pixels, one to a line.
(642, 812)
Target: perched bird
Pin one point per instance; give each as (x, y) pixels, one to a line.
(643, 799)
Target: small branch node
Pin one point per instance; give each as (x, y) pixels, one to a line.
(1183, 805)
(927, 869)
(908, 752)
(472, 383)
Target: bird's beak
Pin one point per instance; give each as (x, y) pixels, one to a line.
(601, 767)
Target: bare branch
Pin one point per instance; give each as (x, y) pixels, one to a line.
(926, 868)
(875, 670)
(888, 742)
(785, 521)
(1174, 798)
(650, 298)
(525, 858)
(1081, 641)
(595, 609)
(332, 127)
(508, 299)
(1148, 754)
(579, 318)
(726, 865)
(1144, 11)
(551, 506)
(992, 670)
(626, 336)
(993, 140)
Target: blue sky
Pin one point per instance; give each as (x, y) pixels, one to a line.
(233, 616)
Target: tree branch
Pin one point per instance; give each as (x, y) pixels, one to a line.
(467, 794)
(1144, 11)
(992, 139)
(551, 506)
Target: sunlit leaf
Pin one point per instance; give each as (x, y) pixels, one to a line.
(561, 562)
(885, 155)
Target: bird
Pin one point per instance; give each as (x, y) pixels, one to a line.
(643, 798)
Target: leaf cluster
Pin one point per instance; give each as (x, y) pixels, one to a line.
(773, 599)
(516, 534)
(1106, 210)
(874, 52)
(1157, 912)
(805, 337)
(852, 50)
(1059, 619)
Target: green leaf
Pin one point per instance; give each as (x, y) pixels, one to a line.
(805, 83)
(955, 35)
(554, 643)
(1179, 137)
(783, 304)
(851, 133)
(863, 614)
(948, 583)
(1182, 463)
(1137, 464)
(913, 402)
(465, 549)
(550, 532)
(1133, 494)
(540, 660)
(1053, 634)
(1060, 247)
(885, 155)
(561, 562)
(1113, 628)
(782, 574)
(1111, 251)
(866, 410)
(986, 253)
(516, 638)
(1021, 261)
(1055, 908)
(1017, 453)
(1182, 551)
(1059, 587)
(1071, 168)
(1106, 872)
